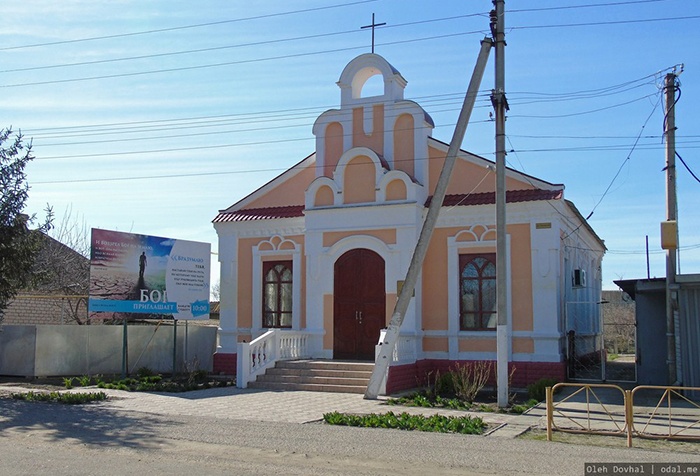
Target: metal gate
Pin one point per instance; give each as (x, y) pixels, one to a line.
(620, 339)
(601, 342)
(585, 352)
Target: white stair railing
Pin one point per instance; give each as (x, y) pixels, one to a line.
(256, 356)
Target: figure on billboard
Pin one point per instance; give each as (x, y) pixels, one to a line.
(142, 264)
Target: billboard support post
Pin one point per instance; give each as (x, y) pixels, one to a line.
(174, 347)
(125, 350)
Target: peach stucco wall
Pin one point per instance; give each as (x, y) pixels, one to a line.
(324, 197)
(245, 285)
(435, 282)
(391, 299)
(333, 147)
(358, 186)
(521, 276)
(375, 139)
(435, 344)
(477, 345)
(467, 177)
(404, 153)
(523, 345)
(388, 236)
(396, 190)
(291, 192)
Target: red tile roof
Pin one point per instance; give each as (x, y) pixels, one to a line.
(489, 198)
(486, 198)
(267, 213)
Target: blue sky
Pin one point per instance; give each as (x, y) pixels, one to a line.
(149, 117)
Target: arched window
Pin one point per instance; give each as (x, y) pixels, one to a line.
(277, 294)
(477, 290)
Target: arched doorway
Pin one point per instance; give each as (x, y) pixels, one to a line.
(359, 310)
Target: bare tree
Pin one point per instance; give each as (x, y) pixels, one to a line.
(216, 291)
(64, 266)
(619, 321)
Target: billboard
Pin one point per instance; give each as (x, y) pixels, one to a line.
(148, 277)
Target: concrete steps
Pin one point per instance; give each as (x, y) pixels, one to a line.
(316, 376)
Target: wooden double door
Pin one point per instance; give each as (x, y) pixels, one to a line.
(359, 310)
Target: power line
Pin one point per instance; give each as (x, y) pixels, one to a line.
(687, 167)
(591, 5)
(218, 48)
(231, 63)
(581, 113)
(307, 10)
(604, 23)
(629, 156)
(287, 114)
(184, 27)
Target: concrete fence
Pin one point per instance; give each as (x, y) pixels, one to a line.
(46, 350)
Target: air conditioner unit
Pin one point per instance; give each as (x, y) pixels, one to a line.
(579, 279)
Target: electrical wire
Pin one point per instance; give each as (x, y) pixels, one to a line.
(604, 23)
(184, 27)
(591, 5)
(278, 115)
(218, 48)
(627, 159)
(687, 168)
(232, 63)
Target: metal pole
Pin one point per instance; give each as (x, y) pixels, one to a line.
(174, 346)
(671, 208)
(647, 250)
(392, 332)
(187, 337)
(125, 350)
(499, 100)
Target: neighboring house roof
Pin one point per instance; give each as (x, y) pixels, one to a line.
(267, 213)
(62, 268)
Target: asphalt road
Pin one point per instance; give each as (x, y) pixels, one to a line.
(39, 438)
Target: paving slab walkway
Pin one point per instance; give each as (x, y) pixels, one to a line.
(283, 406)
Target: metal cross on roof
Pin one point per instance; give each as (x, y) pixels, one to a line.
(372, 26)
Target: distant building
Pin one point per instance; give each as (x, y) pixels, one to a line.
(61, 294)
(323, 249)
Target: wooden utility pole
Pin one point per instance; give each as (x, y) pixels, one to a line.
(388, 344)
(671, 245)
(500, 104)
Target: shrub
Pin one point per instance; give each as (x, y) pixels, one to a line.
(445, 385)
(57, 397)
(404, 421)
(145, 372)
(68, 382)
(470, 378)
(537, 390)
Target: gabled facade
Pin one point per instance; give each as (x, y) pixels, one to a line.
(324, 247)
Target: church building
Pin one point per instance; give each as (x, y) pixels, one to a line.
(315, 259)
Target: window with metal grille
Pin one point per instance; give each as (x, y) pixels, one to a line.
(277, 294)
(477, 292)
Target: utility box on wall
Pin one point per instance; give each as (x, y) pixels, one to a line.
(669, 235)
